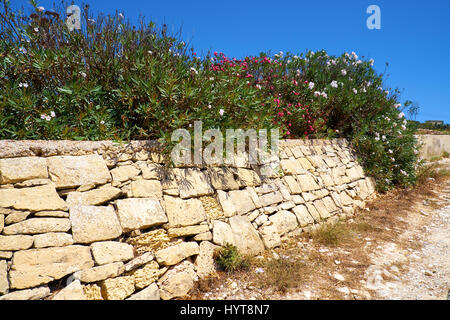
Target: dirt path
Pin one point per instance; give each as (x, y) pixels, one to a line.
(398, 248)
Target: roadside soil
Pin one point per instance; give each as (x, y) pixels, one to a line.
(397, 248)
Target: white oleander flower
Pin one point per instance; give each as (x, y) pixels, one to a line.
(52, 114)
(221, 112)
(371, 61)
(193, 70)
(355, 91)
(323, 94)
(334, 84)
(311, 85)
(102, 122)
(23, 85)
(316, 93)
(344, 72)
(40, 8)
(401, 115)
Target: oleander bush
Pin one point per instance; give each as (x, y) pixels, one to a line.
(116, 80)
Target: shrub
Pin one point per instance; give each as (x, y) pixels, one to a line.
(114, 80)
(229, 259)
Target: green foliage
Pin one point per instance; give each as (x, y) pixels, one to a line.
(229, 259)
(114, 80)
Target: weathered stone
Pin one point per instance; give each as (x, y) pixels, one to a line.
(227, 204)
(271, 198)
(286, 205)
(14, 170)
(242, 201)
(85, 187)
(74, 171)
(32, 183)
(52, 239)
(187, 231)
(93, 197)
(329, 204)
(16, 216)
(270, 236)
(222, 233)
(177, 281)
(55, 214)
(284, 221)
(353, 174)
(293, 184)
(147, 189)
(151, 170)
(34, 267)
(223, 178)
(139, 261)
(4, 284)
(254, 196)
(193, 183)
(322, 209)
(38, 225)
(2, 222)
(74, 291)
(327, 180)
(247, 177)
(313, 212)
(92, 223)
(345, 199)
(298, 199)
(307, 182)
(149, 293)
(100, 273)
(111, 251)
(174, 254)
(145, 276)
(124, 173)
(117, 288)
(205, 236)
(140, 213)
(291, 166)
(6, 254)
(33, 199)
(363, 190)
(261, 219)
(204, 263)
(246, 238)
(303, 216)
(182, 213)
(305, 164)
(29, 294)
(93, 291)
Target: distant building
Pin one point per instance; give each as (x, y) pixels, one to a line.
(435, 122)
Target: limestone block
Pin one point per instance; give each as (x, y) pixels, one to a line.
(182, 213)
(284, 221)
(140, 213)
(174, 254)
(52, 239)
(246, 238)
(74, 171)
(34, 267)
(177, 281)
(147, 189)
(92, 223)
(38, 225)
(94, 197)
(111, 251)
(33, 199)
(14, 170)
(99, 273)
(117, 288)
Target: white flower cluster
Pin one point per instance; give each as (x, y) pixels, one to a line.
(48, 117)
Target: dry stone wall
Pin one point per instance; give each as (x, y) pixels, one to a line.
(111, 222)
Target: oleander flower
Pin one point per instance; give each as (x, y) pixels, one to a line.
(221, 112)
(344, 72)
(52, 114)
(355, 91)
(193, 70)
(334, 84)
(311, 85)
(40, 8)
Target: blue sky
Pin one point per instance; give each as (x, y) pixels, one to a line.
(414, 37)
